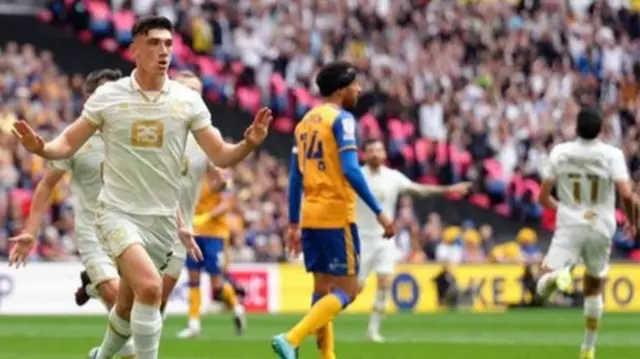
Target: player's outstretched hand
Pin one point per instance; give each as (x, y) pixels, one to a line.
(459, 188)
(23, 244)
(259, 129)
(387, 223)
(189, 243)
(294, 247)
(28, 137)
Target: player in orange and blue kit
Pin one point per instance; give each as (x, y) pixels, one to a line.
(324, 166)
(212, 233)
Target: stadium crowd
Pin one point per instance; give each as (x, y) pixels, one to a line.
(476, 91)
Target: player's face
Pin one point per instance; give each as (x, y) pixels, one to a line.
(352, 93)
(191, 82)
(375, 154)
(153, 50)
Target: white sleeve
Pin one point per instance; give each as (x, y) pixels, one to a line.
(619, 171)
(548, 170)
(95, 104)
(200, 116)
(402, 181)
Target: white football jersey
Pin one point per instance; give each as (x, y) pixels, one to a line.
(86, 182)
(585, 173)
(195, 166)
(145, 135)
(386, 185)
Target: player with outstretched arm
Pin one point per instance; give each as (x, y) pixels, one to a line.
(379, 255)
(144, 119)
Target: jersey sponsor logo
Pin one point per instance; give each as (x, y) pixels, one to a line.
(349, 129)
(147, 133)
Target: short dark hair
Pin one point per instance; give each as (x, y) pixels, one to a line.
(143, 25)
(335, 76)
(589, 123)
(93, 80)
(371, 141)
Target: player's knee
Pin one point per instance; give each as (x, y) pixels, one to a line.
(108, 291)
(149, 291)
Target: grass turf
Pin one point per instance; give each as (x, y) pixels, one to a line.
(535, 334)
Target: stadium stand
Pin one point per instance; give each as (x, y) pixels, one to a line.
(487, 107)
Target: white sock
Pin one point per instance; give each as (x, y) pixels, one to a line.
(238, 310)
(593, 307)
(128, 350)
(118, 332)
(378, 311)
(92, 292)
(146, 327)
(546, 284)
(194, 324)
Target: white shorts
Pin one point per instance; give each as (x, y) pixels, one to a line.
(118, 230)
(377, 255)
(98, 264)
(571, 246)
(176, 263)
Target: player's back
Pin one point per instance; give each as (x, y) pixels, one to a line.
(195, 164)
(585, 174)
(329, 200)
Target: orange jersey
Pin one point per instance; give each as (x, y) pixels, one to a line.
(328, 200)
(209, 200)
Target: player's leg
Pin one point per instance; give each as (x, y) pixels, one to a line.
(194, 268)
(214, 265)
(118, 332)
(597, 250)
(368, 261)
(556, 266)
(383, 265)
(172, 275)
(324, 335)
(338, 259)
(101, 273)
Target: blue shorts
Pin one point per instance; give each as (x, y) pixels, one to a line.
(213, 253)
(331, 251)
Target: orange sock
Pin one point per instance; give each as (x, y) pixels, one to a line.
(325, 341)
(228, 295)
(318, 316)
(195, 301)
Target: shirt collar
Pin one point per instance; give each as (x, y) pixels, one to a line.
(136, 87)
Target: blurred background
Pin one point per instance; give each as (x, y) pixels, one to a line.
(458, 90)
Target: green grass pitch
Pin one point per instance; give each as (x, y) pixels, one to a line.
(535, 334)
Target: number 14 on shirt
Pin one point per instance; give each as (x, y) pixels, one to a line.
(313, 148)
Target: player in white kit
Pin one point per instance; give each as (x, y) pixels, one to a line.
(144, 120)
(586, 173)
(378, 255)
(86, 183)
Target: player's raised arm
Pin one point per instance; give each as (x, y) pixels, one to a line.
(26, 240)
(222, 153)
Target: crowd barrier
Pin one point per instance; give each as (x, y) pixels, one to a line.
(48, 288)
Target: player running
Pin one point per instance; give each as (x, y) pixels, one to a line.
(212, 235)
(379, 255)
(86, 182)
(144, 120)
(325, 166)
(586, 173)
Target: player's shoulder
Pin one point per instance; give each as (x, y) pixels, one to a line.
(178, 89)
(610, 150)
